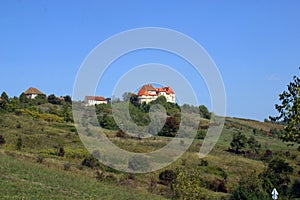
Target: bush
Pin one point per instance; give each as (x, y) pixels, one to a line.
(203, 163)
(138, 163)
(90, 162)
(167, 177)
(60, 151)
(2, 140)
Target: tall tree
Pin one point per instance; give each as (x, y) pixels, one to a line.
(289, 111)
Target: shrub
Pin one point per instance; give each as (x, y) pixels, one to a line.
(2, 140)
(67, 166)
(167, 177)
(138, 163)
(19, 144)
(203, 163)
(90, 162)
(40, 159)
(60, 151)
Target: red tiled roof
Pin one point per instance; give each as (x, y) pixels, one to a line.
(32, 90)
(96, 98)
(144, 90)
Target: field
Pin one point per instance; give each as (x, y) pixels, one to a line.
(35, 170)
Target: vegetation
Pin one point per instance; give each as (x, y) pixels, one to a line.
(289, 112)
(42, 157)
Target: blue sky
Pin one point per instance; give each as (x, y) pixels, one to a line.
(255, 44)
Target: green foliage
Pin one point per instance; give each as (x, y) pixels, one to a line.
(201, 134)
(289, 111)
(167, 177)
(53, 99)
(90, 162)
(4, 97)
(108, 122)
(250, 188)
(171, 127)
(19, 144)
(204, 112)
(253, 144)
(138, 163)
(23, 98)
(295, 190)
(277, 175)
(238, 142)
(189, 184)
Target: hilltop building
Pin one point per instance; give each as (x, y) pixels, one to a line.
(94, 100)
(32, 93)
(148, 93)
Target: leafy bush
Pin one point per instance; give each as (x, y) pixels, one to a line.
(2, 140)
(167, 177)
(138, 163)
(90, 162)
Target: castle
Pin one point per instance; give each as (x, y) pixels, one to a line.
(148, 93)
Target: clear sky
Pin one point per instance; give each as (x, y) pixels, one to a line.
(255, 44)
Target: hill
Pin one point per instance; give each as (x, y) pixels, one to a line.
(43, 158)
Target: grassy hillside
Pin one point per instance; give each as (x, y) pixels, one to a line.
(36, 169)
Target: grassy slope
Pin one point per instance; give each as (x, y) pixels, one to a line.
(20, 178)
(22, 175)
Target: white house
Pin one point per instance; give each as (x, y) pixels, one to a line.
(94, 100)
(32, 93)
(148, 93)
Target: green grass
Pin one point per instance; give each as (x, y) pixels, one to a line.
(20, 179)
(21, 175)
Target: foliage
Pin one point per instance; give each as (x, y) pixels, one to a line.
(167, 177)
(295, 190)
(138, 163)
(60, 151)
(189, 184)
(249, 188)
(253, 144)
(171, 127)
(90, 162)
(289, 111)
(19, 144)
(201, 134)
(238, 142)
(4, 97)
(2, 140)
(277, 175)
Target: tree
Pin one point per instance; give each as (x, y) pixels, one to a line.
(23, 98)
(4, 97)
(277, 175)
(289, 111)
(253, 144)
(68, 99)
(204, 112)
(238, 142)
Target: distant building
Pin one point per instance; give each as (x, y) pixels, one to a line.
(94, 100)
(1, 99)
(148, 93)
(32, 93)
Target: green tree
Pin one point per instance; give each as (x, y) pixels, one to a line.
(23, 98)
(204, 112)
(253, 144)
(289, 111)
(277, 175)
(238, 142)
(4, 97)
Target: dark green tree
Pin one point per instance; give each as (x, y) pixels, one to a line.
(253, 144)
(204, 112)
(23, 98)
(277, 175)
(239, 141)
(289, 112)
(4, 97)
(68, 99)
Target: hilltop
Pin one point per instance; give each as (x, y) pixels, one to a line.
(42, 156)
